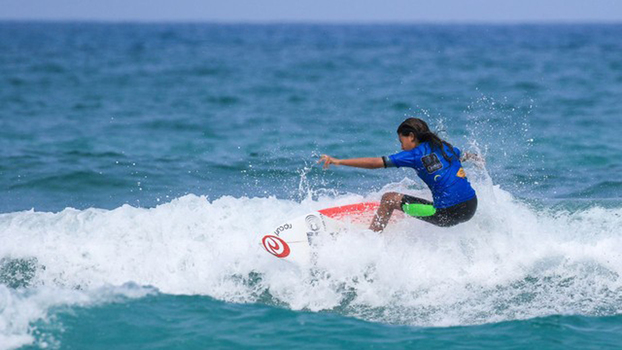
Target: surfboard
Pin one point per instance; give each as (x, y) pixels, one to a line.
(293, 240)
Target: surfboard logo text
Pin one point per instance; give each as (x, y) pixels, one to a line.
(282, 228)
(275, 246)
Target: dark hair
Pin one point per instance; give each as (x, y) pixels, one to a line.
(422, 132)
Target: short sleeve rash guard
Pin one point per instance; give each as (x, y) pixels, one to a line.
(446, 179)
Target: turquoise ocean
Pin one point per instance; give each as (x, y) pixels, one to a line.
(141, 162)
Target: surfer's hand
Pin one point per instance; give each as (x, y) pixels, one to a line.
(328, 160)
(475, 158)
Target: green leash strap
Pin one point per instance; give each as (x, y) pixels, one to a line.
(420, 210)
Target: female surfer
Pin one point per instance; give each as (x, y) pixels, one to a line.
(437, 163)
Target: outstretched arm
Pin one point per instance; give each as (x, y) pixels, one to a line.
(367, 163)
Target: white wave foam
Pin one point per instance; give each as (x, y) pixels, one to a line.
(509, 262)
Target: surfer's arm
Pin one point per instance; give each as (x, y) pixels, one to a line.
(367, 163)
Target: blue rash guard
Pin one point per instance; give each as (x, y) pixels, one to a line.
(446, 180)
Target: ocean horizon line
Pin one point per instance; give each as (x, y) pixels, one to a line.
(379, 23)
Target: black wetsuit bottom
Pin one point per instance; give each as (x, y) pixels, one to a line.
(445, 217)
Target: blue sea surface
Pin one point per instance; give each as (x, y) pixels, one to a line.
(140, 164)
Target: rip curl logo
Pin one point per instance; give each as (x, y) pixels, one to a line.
(275, 246)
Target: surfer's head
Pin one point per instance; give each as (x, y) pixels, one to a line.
(408, 141)
(411, 132)
(414, 131)
(414, 126)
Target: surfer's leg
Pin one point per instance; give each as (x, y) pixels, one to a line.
(390, 201)
(420, 208)
(455, 215)
(444, 217)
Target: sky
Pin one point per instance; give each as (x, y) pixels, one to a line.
(341, 11)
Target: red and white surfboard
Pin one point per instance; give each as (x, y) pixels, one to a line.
(359, 212)
(290, 241)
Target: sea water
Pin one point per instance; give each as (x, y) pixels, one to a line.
(140, 164)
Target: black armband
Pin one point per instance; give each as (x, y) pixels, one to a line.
(387, 162)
